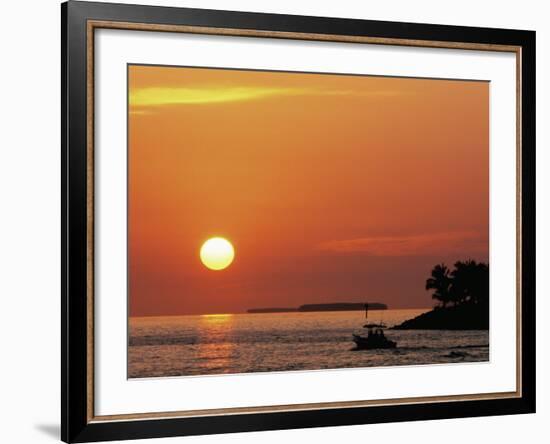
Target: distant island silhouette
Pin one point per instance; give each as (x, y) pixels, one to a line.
(462, 295)
(331, 306)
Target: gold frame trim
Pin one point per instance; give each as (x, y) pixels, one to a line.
(92, 25)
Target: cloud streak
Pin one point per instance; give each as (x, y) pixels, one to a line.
(456, 243)
(160, 96)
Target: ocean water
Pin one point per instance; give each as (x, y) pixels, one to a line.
(267, 342)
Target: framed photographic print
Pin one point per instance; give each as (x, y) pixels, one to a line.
(275, 221)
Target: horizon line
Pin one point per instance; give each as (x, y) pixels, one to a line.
(245, 312)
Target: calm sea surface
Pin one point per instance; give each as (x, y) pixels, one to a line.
(241, 343)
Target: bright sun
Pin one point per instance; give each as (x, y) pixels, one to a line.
(217, 253)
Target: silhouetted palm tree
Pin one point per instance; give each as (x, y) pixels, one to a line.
(470, 282)
(441, 283)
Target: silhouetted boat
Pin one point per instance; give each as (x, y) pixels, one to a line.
(375, 338)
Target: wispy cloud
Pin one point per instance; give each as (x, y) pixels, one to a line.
(140, 112)
(159, 96)
(466, 242)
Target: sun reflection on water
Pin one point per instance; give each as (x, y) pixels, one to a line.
(217, 318)
(216, 352)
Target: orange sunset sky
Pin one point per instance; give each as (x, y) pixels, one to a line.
(330, 187)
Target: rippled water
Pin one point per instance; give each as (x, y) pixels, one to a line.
(241, 343)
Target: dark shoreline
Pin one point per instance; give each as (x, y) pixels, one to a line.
(462, 317)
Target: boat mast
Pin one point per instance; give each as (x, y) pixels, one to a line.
(366, 310)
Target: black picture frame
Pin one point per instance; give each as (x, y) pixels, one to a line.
(76, 423)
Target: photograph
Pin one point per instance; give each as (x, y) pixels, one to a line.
(286, 221)
(293, 220)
